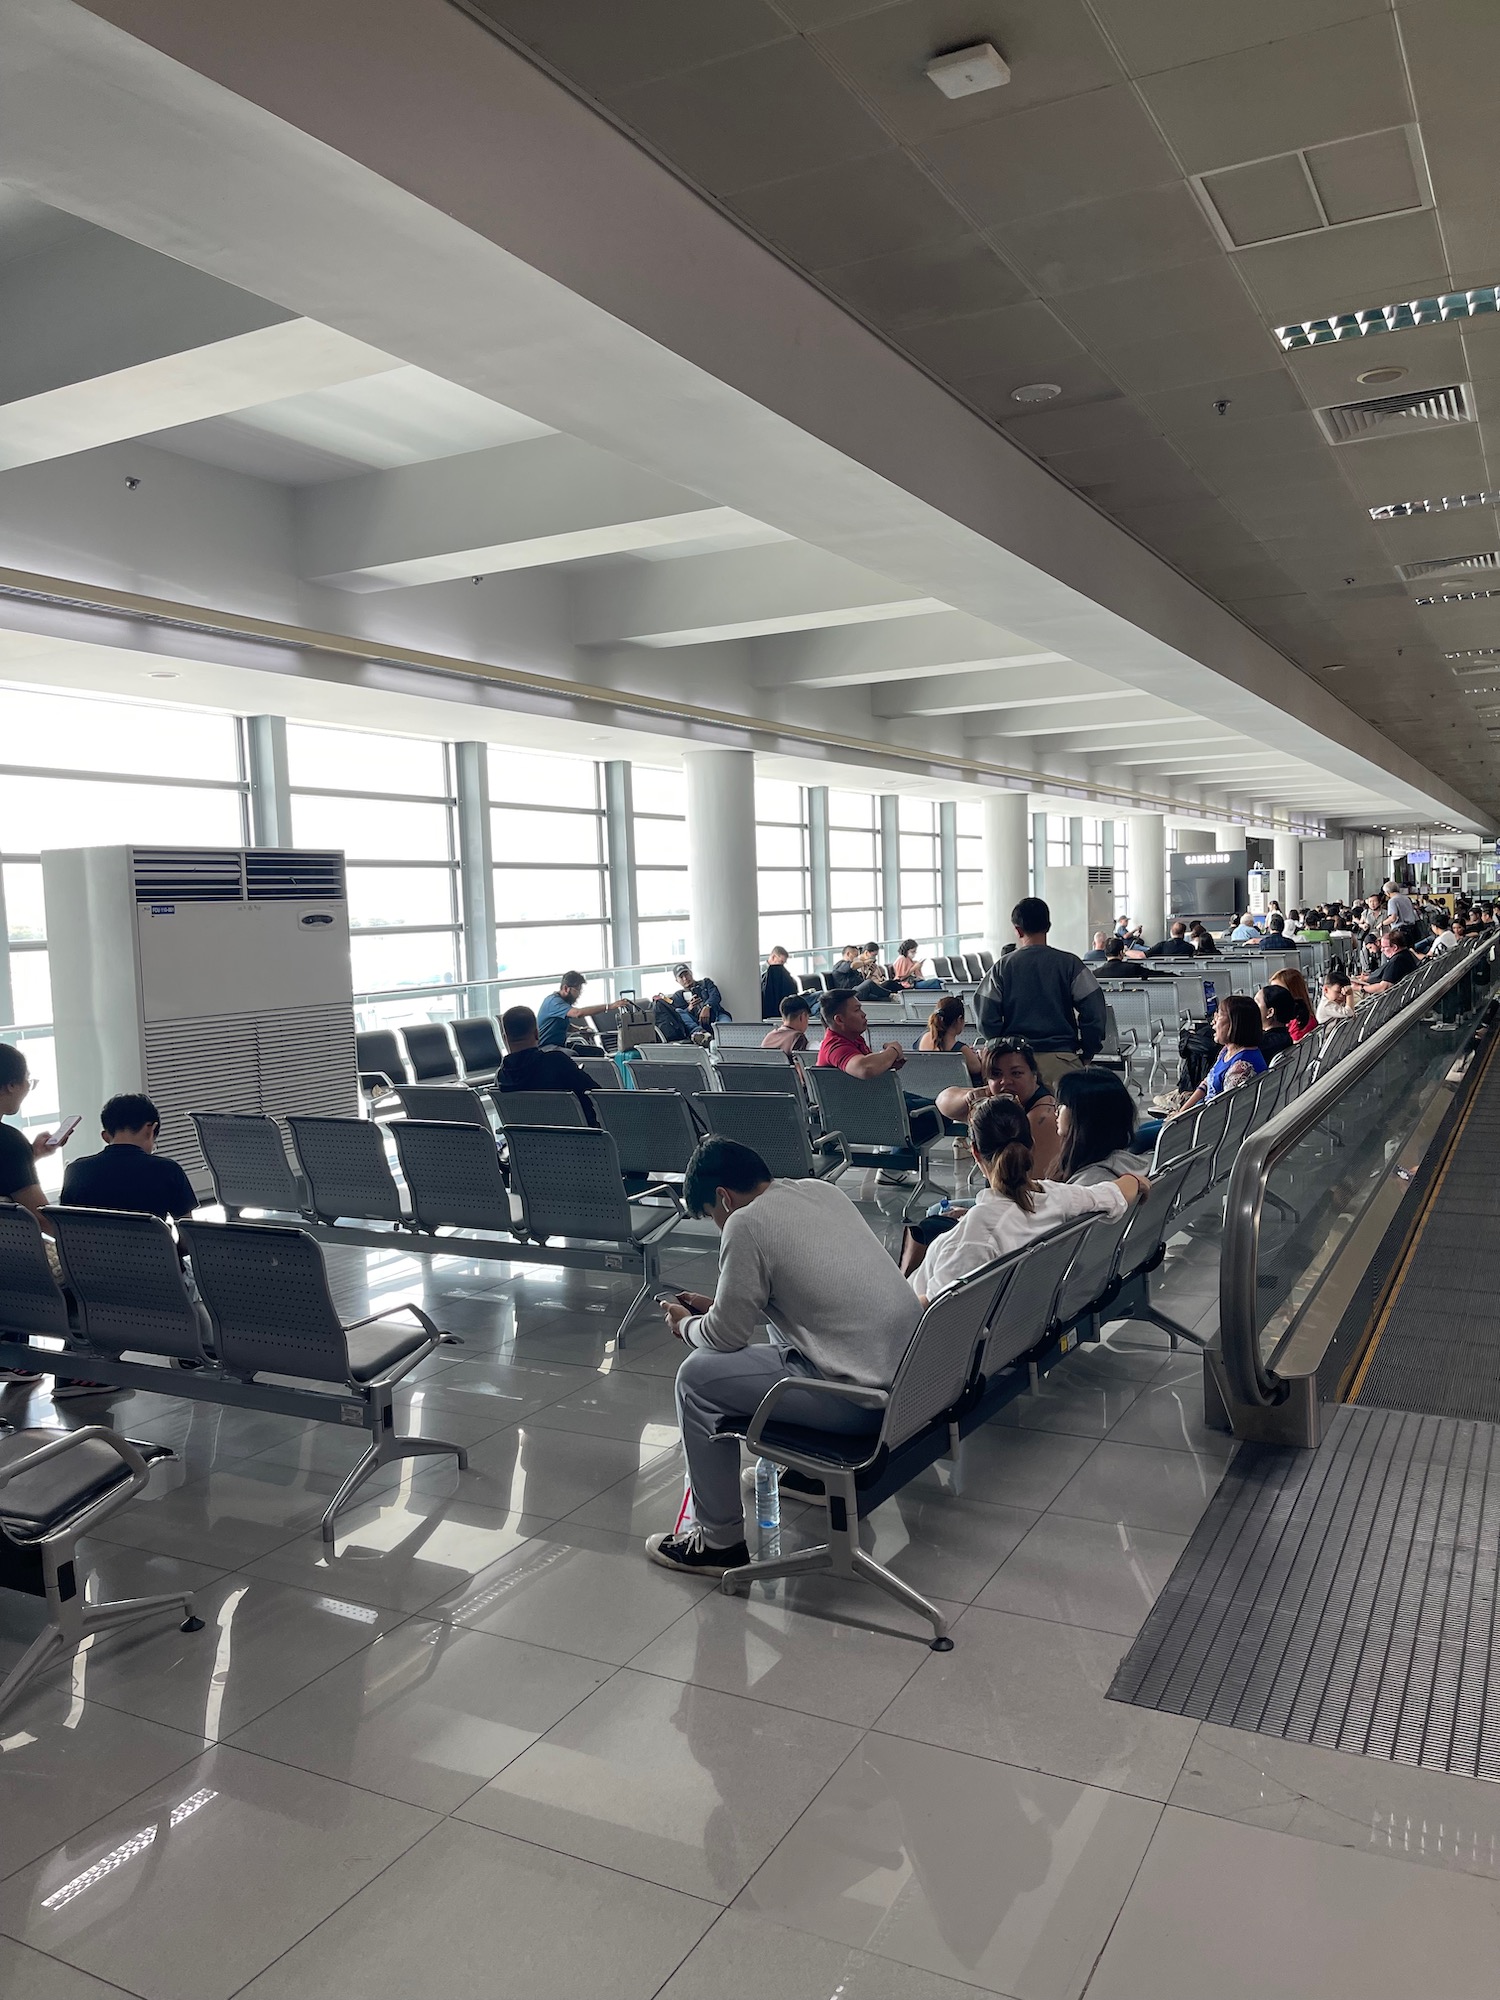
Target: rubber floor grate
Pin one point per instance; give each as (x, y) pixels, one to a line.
(1345, 1596)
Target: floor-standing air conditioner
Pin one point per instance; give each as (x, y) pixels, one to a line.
(212, 978)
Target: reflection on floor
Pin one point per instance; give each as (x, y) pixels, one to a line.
(483, 1749)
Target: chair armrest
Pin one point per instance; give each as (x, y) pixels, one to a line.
(380, 1077)
(428, 1326)
(123, 1449)
(674, 1195)
(765, 1409)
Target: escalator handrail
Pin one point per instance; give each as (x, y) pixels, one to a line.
(1263, 1149)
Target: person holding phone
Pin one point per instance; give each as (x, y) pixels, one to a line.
(18, 1157)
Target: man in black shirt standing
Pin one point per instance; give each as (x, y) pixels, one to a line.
(530, 1067)
(130, 1173)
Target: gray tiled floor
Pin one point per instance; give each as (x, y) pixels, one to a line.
(483, 1749)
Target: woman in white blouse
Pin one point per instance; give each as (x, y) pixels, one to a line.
(1015, 1207)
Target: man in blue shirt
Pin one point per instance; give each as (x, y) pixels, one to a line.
(560, 1009)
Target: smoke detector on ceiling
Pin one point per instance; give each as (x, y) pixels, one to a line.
(1036, 392)
(965, 72)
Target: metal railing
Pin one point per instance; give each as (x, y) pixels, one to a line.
(1251, 1380)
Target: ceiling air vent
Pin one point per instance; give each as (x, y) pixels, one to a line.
(1451, 565)
(293, 875)
(188, 874)
(1390, 416)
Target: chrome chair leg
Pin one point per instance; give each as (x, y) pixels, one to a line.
(866, 1567)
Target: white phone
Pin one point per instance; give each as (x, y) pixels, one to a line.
(66, 1130)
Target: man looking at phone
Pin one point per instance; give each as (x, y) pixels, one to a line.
(18, 1158)
(798, 1258)
(129, 1173)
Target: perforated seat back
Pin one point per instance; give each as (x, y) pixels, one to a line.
(770, 1123)
(600, 1071)
(1088, 1276)
(654, 1131)
(1241, 1115)
(124, 1272)
(1173, 1141)
(246, 1156)
(537, 1107)
(478, 1044)
(652, 1057)
(569, 1183)
(1023, 1312)
(987, 960)
(444, 1103)
(30, 1301)
(939, 1361)
(452, 1174)
(869, 1111)
(1151, 1220)
(344, 1163)
(1208, 1129)
(685, 1077)
(267, 1294)
(378, 1053)
(778, 1077)
(974, 965)
(429, 1051)
(926, 1072)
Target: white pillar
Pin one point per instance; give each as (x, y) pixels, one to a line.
(1288, 860)
(1006, 876)
(722, 889)
(1148, 867)
(1229, 839)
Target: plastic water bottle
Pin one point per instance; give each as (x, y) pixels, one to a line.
(767, 1497)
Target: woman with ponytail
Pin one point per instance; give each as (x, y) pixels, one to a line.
(944, 1027)
(1015, 1206)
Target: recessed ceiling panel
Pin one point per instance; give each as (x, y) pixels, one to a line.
(1372, 175)
(1269, 199)
(1082, 149)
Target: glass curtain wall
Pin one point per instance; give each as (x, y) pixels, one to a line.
(549, 853)
(921, 869)
(783, 878)
(970, 843)
(854, 867)
(664, 929)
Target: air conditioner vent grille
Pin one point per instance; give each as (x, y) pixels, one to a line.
(294, 875)
(1101, 878)
(1451, 565)
(1385, 416)
(188, 874)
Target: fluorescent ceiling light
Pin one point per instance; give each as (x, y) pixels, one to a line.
(1389, 319)
(1476, 653)
(1447, 504)
(1457, 597)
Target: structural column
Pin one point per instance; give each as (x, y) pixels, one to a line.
(619, 830)
(270, 791)
(476, 872)
(721, 874)
(820, 880)
(1287, 860)
(1006, 875)
(1148, 868)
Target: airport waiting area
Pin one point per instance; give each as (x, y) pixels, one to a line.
(749, 989)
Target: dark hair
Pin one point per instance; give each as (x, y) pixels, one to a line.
(1283, 1007)
(948, 1013)
(1401, 936)
(516, 1023)
(1179, 929)
(12, 1066)
(1101, 1119)
(721, 1163)
(1031, 915)
(795, 1003)
(1007, 1045)
(831, 1005)
(574, 979)
(906, 945)
(128, 1113)
(1114, 946)
(1245, 1025)
(1276, 923)
(872, 945)
(1290, 977)
(1000, 1132)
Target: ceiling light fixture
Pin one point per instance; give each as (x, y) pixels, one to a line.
(1389, 319)
(1476, 653)
(161, 674)
(1456, 597)
(1373, 376)
(1036, 392)
(965, 72)
(1448, 503)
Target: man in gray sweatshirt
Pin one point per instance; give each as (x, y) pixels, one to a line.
(799, 1257)
(1046, 997)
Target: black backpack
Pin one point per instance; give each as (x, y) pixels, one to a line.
(1197, 1049)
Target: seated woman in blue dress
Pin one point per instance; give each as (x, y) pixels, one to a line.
(1238, 1031)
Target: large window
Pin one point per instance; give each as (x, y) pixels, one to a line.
(854, 867)
(663, 924)
(970, 845)
(921, 868)
(781, 852)
(387, 801)
(549, 850)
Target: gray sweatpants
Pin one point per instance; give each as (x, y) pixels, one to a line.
(712, 1385)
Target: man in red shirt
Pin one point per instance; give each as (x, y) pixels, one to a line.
(844, 1046)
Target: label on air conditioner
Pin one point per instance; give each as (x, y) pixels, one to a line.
(163, 909)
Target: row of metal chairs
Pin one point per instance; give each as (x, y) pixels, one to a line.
(977, 1347)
